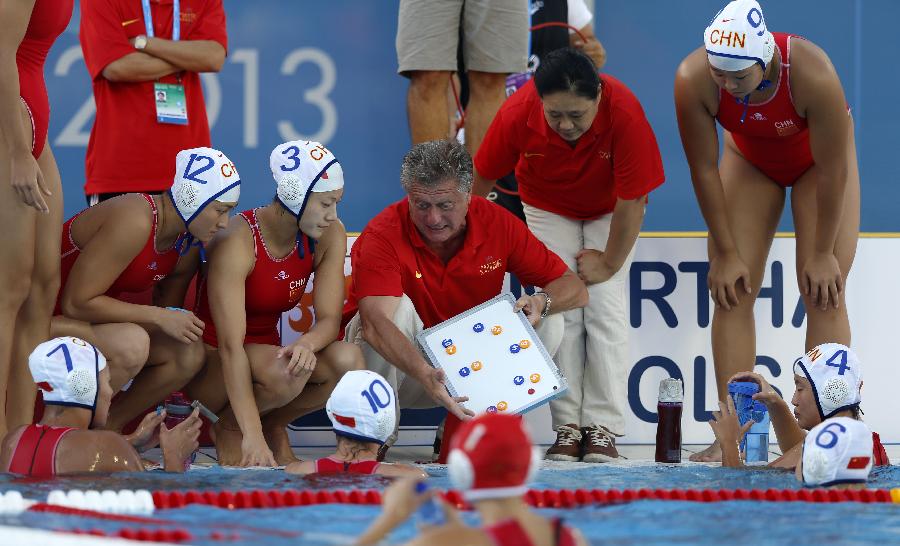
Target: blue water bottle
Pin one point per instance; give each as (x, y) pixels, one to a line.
(431, 512)
(755, 444)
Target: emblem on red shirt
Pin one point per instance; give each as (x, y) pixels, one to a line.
(786, 127)
(490, 265)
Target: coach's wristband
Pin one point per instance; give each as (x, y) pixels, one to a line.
(547, 302)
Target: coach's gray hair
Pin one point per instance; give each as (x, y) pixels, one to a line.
(436, 161)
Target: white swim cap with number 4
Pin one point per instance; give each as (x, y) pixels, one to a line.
(301, 167)
(737, 37)
(203, 175)
(362, 407)
(66, 369)
(833, 370)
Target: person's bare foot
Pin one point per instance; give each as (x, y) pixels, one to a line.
(280, 444)
(228, 443)
(712, 454)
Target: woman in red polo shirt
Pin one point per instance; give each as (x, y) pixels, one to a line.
(785, 124)
(258, 269)
(30, 196)
(134, 243)
(585, 159)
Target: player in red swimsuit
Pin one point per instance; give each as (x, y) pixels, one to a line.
(131, 244)
(491, 461)
(30, 196)
(258, 268)
(74, 379)
(786, 124)
(363, 412)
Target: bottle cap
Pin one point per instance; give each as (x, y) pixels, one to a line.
(670, 390)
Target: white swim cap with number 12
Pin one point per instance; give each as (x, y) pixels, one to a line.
(203, 175)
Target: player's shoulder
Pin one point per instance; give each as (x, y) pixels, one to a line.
(79, 449)
(809, 62)
(301, 467)
(400, 469)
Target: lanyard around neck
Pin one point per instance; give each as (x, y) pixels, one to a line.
(176, 19)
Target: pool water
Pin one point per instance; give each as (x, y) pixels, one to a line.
(639, 522)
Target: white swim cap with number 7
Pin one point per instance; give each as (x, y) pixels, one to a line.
(66, 369)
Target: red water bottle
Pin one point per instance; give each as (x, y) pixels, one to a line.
(668, 427)
(178, 408)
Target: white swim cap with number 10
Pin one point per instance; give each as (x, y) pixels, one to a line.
(737, 37)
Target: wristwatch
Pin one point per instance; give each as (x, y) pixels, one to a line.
(140, 42)
(547, 302)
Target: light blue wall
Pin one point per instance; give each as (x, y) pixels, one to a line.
(353, 41)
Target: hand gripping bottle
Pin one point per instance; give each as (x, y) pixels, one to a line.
(755, 445)
(668, 427)
(178, 408)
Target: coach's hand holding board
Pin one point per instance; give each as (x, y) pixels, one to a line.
(493, 357)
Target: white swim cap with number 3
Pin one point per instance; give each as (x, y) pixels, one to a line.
(301, 167)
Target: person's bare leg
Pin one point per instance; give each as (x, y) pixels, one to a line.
(426, 105)
(487, 91)
(754, 203)
(126, 346)
(170, 367)
(830, 325)
(332, 363)
(18, 225)
(273, 387)
(33, 322)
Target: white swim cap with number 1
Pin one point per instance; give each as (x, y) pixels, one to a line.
(737, 37)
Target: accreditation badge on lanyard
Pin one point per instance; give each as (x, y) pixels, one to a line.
(169, 98)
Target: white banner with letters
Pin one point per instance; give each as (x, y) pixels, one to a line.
(671, 313)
